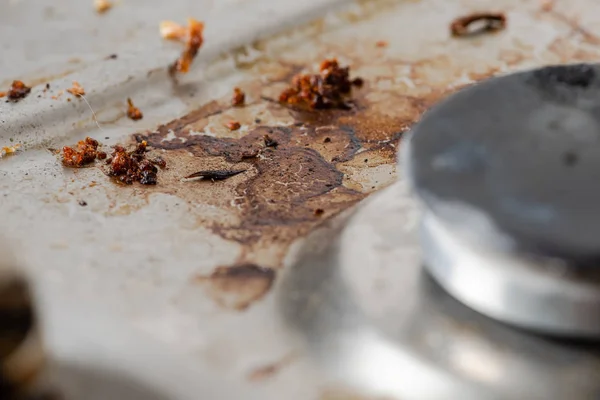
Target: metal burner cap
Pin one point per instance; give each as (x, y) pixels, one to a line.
(515, 162)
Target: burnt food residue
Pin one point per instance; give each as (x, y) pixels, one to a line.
(133, 166)
(238, 286)
(298, 160)
(215, 175)
(330, 88)
(478, 23)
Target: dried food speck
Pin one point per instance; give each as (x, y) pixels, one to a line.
(269, 141)
(133, 112)
(47, 86)
(381, 43)
(112, 57)
(18, 90)
(319, 212)
(326, 140)
(233, 125)
(239, 97)
(477, 23)
(330, 88)
(76, 89)
(194, 41)
(82, 203)
(132, 166)
(84, 153)
(215, 175)
(102, 6)
(172, 30)
(101, 155)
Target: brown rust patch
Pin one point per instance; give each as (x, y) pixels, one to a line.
(238, 286)
(314, 165)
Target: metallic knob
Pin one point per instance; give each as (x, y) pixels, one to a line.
(507, 173)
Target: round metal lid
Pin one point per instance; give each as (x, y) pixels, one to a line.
(515, 161)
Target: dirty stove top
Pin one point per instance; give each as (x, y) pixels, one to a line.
(212, 275)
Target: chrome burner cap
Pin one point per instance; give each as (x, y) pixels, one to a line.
(507, 171)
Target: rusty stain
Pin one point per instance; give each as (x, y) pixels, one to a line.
(238, 286)
(274, 202)
(268, 371)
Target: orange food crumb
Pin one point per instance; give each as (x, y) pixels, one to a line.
(8, 150)
(102, 6)
(2, 94)
(76, 89)
(195, 39)
(18, 90)
(84, 153)
(239, 97)
(381, 43)
(133, 112)
(172, 30)
(233, 125)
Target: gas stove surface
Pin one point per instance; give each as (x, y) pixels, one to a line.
(206, 289)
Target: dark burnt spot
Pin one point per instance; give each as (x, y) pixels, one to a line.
(238, 286)
(215, 174)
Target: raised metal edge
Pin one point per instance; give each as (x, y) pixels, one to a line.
(526, 293)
